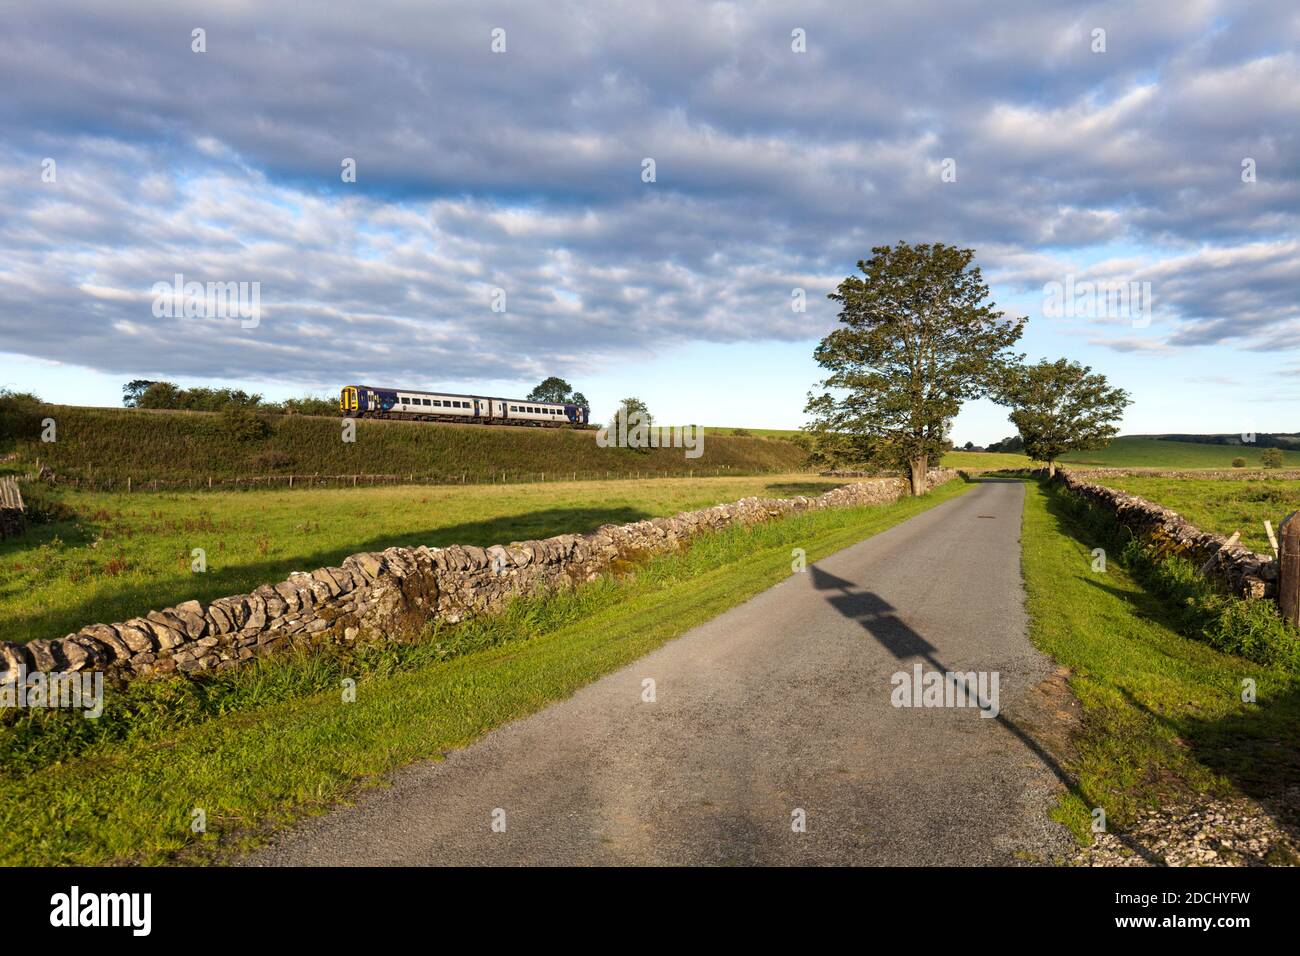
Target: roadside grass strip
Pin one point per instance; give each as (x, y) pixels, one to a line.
(1163, 712)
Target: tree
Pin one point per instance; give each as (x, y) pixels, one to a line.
(132, 391)
(969, 446)
(1011, 444)
(627, 408)
(551, 390)
(1062, 406)
(1271, 458)
(579, 399)
(916, 339)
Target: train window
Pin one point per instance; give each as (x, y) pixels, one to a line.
(514, 408)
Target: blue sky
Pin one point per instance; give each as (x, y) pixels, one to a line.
(522, 171)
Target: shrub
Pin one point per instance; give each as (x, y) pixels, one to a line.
(20, 416)
(1271, 458)
(1238, 462)
(240, 423)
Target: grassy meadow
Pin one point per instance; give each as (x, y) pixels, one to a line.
(113, 555)
(1163, 718)
(1220, 506)
(1139, 452)
(260, 746)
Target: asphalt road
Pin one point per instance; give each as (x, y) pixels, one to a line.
(780, 705)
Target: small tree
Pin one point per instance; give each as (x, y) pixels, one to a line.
(1061, 406)
(627, 408)
(916, 339)
(1271, 458)
(1239, 462)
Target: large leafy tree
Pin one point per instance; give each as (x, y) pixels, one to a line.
(917, 337)
(552, 389)
(556, 389)
(1062, 406)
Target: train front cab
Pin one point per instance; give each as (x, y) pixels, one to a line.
(348, 400)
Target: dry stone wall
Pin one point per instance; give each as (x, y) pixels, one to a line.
(1244, 572)
(393, 594)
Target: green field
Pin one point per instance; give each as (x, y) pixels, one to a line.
(258, 747)
(1220, 506)
(115, 555)
(1138, 452)
(109, 445)
(1163, 718)
(985, 460)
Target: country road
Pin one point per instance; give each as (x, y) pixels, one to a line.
(777, 711)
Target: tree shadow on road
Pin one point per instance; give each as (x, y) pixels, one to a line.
(881, 621)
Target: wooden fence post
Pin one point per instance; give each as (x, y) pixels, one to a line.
(1288, 567)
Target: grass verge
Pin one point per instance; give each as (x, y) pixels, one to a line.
(1163, 715)
(274, 742)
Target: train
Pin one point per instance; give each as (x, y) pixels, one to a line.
(366, 401)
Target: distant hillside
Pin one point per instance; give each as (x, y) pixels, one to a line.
(111, 444)
(1261, 440)
(1148, 451)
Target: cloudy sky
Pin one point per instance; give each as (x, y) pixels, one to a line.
(1168, 158)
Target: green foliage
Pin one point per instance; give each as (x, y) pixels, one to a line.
(1013, 444)
(20, 416)
(1061, 406)
(557, 390)
(133, 390)
(1238, 462)
(629, 407)
(241, 424)
(1271, 458)
(306, 405)
(166, 395)
(917, 337)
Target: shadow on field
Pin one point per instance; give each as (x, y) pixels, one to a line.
(810, 489)
(135, 600)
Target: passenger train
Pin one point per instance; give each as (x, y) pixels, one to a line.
(365, 401)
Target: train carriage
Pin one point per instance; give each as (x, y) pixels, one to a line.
(365, 401)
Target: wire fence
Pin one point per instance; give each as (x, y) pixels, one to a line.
(132, 483)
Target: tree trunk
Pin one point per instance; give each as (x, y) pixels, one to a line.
(1051, 469)
(918, 475)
